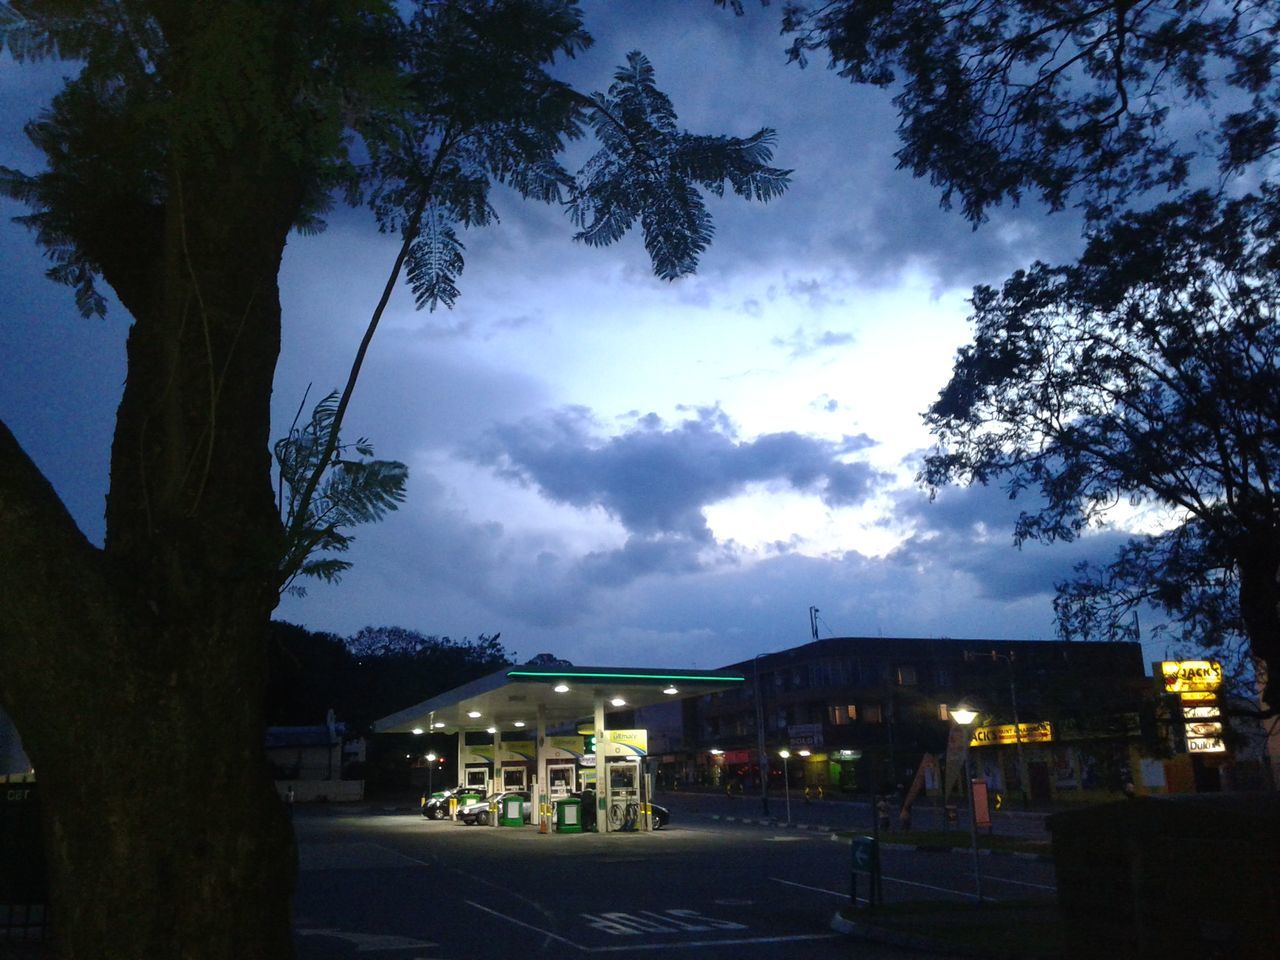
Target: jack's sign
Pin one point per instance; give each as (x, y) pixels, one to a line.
(1190, 675)
(1006, 733)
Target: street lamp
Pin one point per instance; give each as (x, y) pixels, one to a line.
(963, 716)
(786, 781)
(431, 768)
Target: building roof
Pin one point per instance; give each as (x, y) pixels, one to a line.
(513, 695)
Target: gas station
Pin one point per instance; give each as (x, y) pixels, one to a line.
(533, 728)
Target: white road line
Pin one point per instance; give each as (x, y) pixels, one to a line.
(805, 886)
(910, 883)
(528, 926)
(1022, 883)
(620, 948)
(727, 942)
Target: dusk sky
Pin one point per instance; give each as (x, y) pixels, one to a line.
(603, 465)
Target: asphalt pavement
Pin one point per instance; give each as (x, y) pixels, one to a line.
(722, 881)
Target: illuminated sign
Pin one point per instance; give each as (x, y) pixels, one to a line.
(1204, 729)
(1205, 745)
(1200, 713)
(1007, 733)
(1180, 675)
(1198, 696)
(625, 743)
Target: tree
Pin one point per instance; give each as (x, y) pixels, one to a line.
(1106, 105)
(1146, 373)
(1096, 100)
(193, 139)
(350, 492)
(396, 668)
(309, 673)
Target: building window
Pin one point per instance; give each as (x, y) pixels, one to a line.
(871, 713)
(944, 713)
(841, 715)
(906, 675)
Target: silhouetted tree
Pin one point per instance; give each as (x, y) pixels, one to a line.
(188, 141)
(1146, 373)
(1099, 102)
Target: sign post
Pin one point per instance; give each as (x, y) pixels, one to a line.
(866, 859)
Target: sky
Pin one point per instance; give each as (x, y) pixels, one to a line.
(603, 465)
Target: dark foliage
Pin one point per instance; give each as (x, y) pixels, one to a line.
(1148, 375)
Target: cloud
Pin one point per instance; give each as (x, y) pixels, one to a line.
(656, 479)
(970, 529)
(802, 343)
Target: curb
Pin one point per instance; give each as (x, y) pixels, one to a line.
(934, 848)
(896, 938)
(834, 834)
(774, 823)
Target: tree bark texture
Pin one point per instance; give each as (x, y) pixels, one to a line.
(135, 672)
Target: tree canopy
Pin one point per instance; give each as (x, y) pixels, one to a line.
(1097, 102)
(1148, 373)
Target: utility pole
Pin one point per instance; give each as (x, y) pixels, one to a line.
(763, 757)
(1018, 727)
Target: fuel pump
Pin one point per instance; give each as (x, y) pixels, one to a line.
(622, 793)
(478, 780)
(560, 777)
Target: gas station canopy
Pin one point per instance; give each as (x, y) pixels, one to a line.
(516, 697)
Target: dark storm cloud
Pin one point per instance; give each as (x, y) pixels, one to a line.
(656, 479)
(849, 204)
(970, 530)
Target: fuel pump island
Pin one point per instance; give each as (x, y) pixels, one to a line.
(534, 728)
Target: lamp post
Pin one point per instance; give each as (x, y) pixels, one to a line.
(786, 781)
(963, 717)
(431, 769)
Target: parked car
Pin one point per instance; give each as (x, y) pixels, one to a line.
(478, 812)
(436, 806)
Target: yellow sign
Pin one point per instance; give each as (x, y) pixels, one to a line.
(1005, 733)
(1198, 696)
(625, 743)
(1180, 675)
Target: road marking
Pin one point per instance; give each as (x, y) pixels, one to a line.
(805, 886)
(528, 926)
(619, 923)
(367, 942)
(671, 945)
(910, 883)
(1022, 883)
(727, 942)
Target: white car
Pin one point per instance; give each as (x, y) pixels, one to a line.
(478, 812)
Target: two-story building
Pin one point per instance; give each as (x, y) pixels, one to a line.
(859, 714)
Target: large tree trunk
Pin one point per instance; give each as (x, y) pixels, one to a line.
(135, 673)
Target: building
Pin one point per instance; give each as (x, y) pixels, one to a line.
(311, 761)
(1057, 721)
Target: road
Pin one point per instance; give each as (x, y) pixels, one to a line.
(395, 886)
